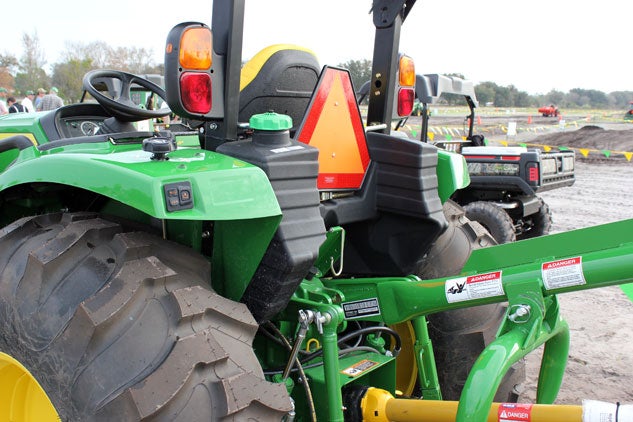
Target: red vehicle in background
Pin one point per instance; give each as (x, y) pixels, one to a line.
(549, 111)
(629, 114)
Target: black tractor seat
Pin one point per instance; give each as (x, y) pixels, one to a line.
(279, 78)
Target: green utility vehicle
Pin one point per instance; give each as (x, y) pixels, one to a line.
(288, 265)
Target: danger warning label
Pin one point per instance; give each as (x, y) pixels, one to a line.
(563, 273)
(474, 287)
(513, 412)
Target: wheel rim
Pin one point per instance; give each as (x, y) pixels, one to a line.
(23, 399)
(406, 365)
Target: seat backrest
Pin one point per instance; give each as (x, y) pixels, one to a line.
(279, 78)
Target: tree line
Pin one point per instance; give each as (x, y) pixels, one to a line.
(510, 96)
(489, 93)
(25, 73)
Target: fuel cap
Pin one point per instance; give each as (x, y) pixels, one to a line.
(270, 121)
(159, 146)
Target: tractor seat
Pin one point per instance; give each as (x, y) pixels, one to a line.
(279, 78)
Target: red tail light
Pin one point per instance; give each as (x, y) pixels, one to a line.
(405, 88)
(191, 66)
(195, 92)
(406, 97)
(533, 173)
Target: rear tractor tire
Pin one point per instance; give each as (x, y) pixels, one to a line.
(459, 336)
(123, 326)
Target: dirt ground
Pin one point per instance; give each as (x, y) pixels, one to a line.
(600, 364)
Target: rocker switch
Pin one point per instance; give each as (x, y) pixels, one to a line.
(178, 196)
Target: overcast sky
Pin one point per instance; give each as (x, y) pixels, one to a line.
(537, 46)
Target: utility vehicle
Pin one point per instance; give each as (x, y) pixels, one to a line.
(505, 182)
(628, 116)
(273, 268)
(549, 111)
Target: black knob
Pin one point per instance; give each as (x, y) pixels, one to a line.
(159, 147)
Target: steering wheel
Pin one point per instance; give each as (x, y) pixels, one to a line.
(121, 106)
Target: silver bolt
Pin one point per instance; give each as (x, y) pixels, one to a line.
(520, 314)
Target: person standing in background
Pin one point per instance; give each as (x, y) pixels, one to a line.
(50, 101)
(38, 99)
(27, 102)
(14, 106)
(3, 101)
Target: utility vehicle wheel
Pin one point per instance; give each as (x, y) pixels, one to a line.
(493, 218)
(122, 326)
(460, 335)
(541, 222)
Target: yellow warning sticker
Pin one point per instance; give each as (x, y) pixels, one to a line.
(359, 367)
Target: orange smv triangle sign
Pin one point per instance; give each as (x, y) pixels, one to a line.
(333, 124)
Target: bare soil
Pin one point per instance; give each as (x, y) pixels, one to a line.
(600, 364)
(595, 141)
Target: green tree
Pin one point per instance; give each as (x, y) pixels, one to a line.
(501, 96)
(586, 98)
(68, 78)
(97, 52)
(128, 59)
(620, 99)
(523, 99)
(8, 63)
(553, 97)
(596, 98)
(577, 98)
(31, 74)
(485, 92)
(360, 71)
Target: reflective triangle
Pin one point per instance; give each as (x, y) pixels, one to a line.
(333, 124)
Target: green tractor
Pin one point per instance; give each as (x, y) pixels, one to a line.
(302, 266)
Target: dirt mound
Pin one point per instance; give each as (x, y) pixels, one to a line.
(592, 137)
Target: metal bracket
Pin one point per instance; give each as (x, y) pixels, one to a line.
(531, 320)
(385, 11)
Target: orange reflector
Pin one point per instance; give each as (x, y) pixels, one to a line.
(195, 49)
(407, 71)
(334, 125)
(406, 96)
(195, 91)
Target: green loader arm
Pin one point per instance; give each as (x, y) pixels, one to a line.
(528, 274)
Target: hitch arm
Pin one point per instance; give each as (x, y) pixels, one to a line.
(380, 406)
(605, 258)
(529, 276)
